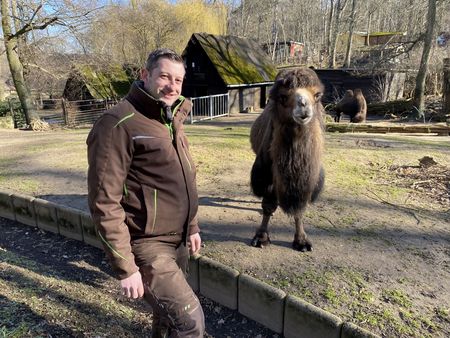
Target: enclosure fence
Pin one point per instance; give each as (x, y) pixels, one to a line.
(86, 112)
(209, 107)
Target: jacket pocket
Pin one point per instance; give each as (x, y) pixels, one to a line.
(151, 204)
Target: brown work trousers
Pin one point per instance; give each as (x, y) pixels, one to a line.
(176, 309)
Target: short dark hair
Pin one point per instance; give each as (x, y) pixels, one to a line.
(157, 54)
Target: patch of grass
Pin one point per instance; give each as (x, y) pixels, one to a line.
(373, 319)
(409, 319)
(14, 332)
(20, 184)
(367, 231)
(216, 150)
(357, 288)
(349, 218)
(398, 297)
(347, 175)
(443, 313)
(331, 295)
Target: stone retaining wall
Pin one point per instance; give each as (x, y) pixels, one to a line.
(285, 314)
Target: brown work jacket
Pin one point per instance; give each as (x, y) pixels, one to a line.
(141, 177)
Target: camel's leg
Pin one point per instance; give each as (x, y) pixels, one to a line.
(269, 205)
(337, 117)
(301, 242)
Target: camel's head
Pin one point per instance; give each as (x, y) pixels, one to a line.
(297, 95)
(348, 93)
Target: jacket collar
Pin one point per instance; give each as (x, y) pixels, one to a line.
(148, 106)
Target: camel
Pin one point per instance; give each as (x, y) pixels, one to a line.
(353, 104)
(287, 139)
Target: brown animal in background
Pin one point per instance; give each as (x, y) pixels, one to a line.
(352, 104)
(287, 139)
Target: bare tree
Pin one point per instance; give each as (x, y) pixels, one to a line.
(22, 20)
(350, 34)
(330, 26)
(340, 6)
(419, 101)
(13, 32)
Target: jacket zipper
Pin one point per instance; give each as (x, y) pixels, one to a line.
(169, 125)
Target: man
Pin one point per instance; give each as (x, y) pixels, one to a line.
(143, 197)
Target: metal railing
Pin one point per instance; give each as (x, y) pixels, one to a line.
(209, 107)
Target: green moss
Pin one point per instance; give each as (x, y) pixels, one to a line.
(386, 33)
(238, 61)
(110, 83)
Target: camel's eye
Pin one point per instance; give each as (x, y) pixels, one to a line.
(283, 98)
(318, 96)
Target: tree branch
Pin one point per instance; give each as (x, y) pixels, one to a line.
(29, 27)
(51, 73)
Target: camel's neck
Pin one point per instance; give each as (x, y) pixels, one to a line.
(296, 151)
(303, 139)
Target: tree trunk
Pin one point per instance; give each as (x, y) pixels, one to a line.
(330, 27)
(446, 88)
(419, 90)
(337, 18)
(16, 67)
(275, 31)
(350, 36)
(369, 22)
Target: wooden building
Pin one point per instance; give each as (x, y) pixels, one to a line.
(285, 52)
(379, 87)
(362, 39)
(217, 64)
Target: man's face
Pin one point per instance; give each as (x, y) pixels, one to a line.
(164, 82)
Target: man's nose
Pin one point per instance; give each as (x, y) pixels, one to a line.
(171, 83)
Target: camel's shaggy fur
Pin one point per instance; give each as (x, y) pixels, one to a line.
(352, 104)
(287, 139)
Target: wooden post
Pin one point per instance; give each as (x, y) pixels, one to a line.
(65, 112)
(11, 110)
(446, 88)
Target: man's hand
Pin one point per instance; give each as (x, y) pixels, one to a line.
(195, 243)
(132, 286)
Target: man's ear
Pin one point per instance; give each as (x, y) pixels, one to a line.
(144, 74)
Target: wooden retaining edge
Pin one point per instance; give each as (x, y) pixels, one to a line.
(285, 314)
(441, 130)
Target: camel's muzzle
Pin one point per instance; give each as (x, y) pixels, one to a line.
(303, 111)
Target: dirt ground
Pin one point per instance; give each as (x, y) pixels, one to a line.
(69, 262)
(378, 262)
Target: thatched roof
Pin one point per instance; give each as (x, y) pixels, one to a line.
(237, 60)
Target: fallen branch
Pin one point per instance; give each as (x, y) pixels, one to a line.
(402, 207)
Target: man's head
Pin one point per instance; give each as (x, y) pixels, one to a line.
(163, 75)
